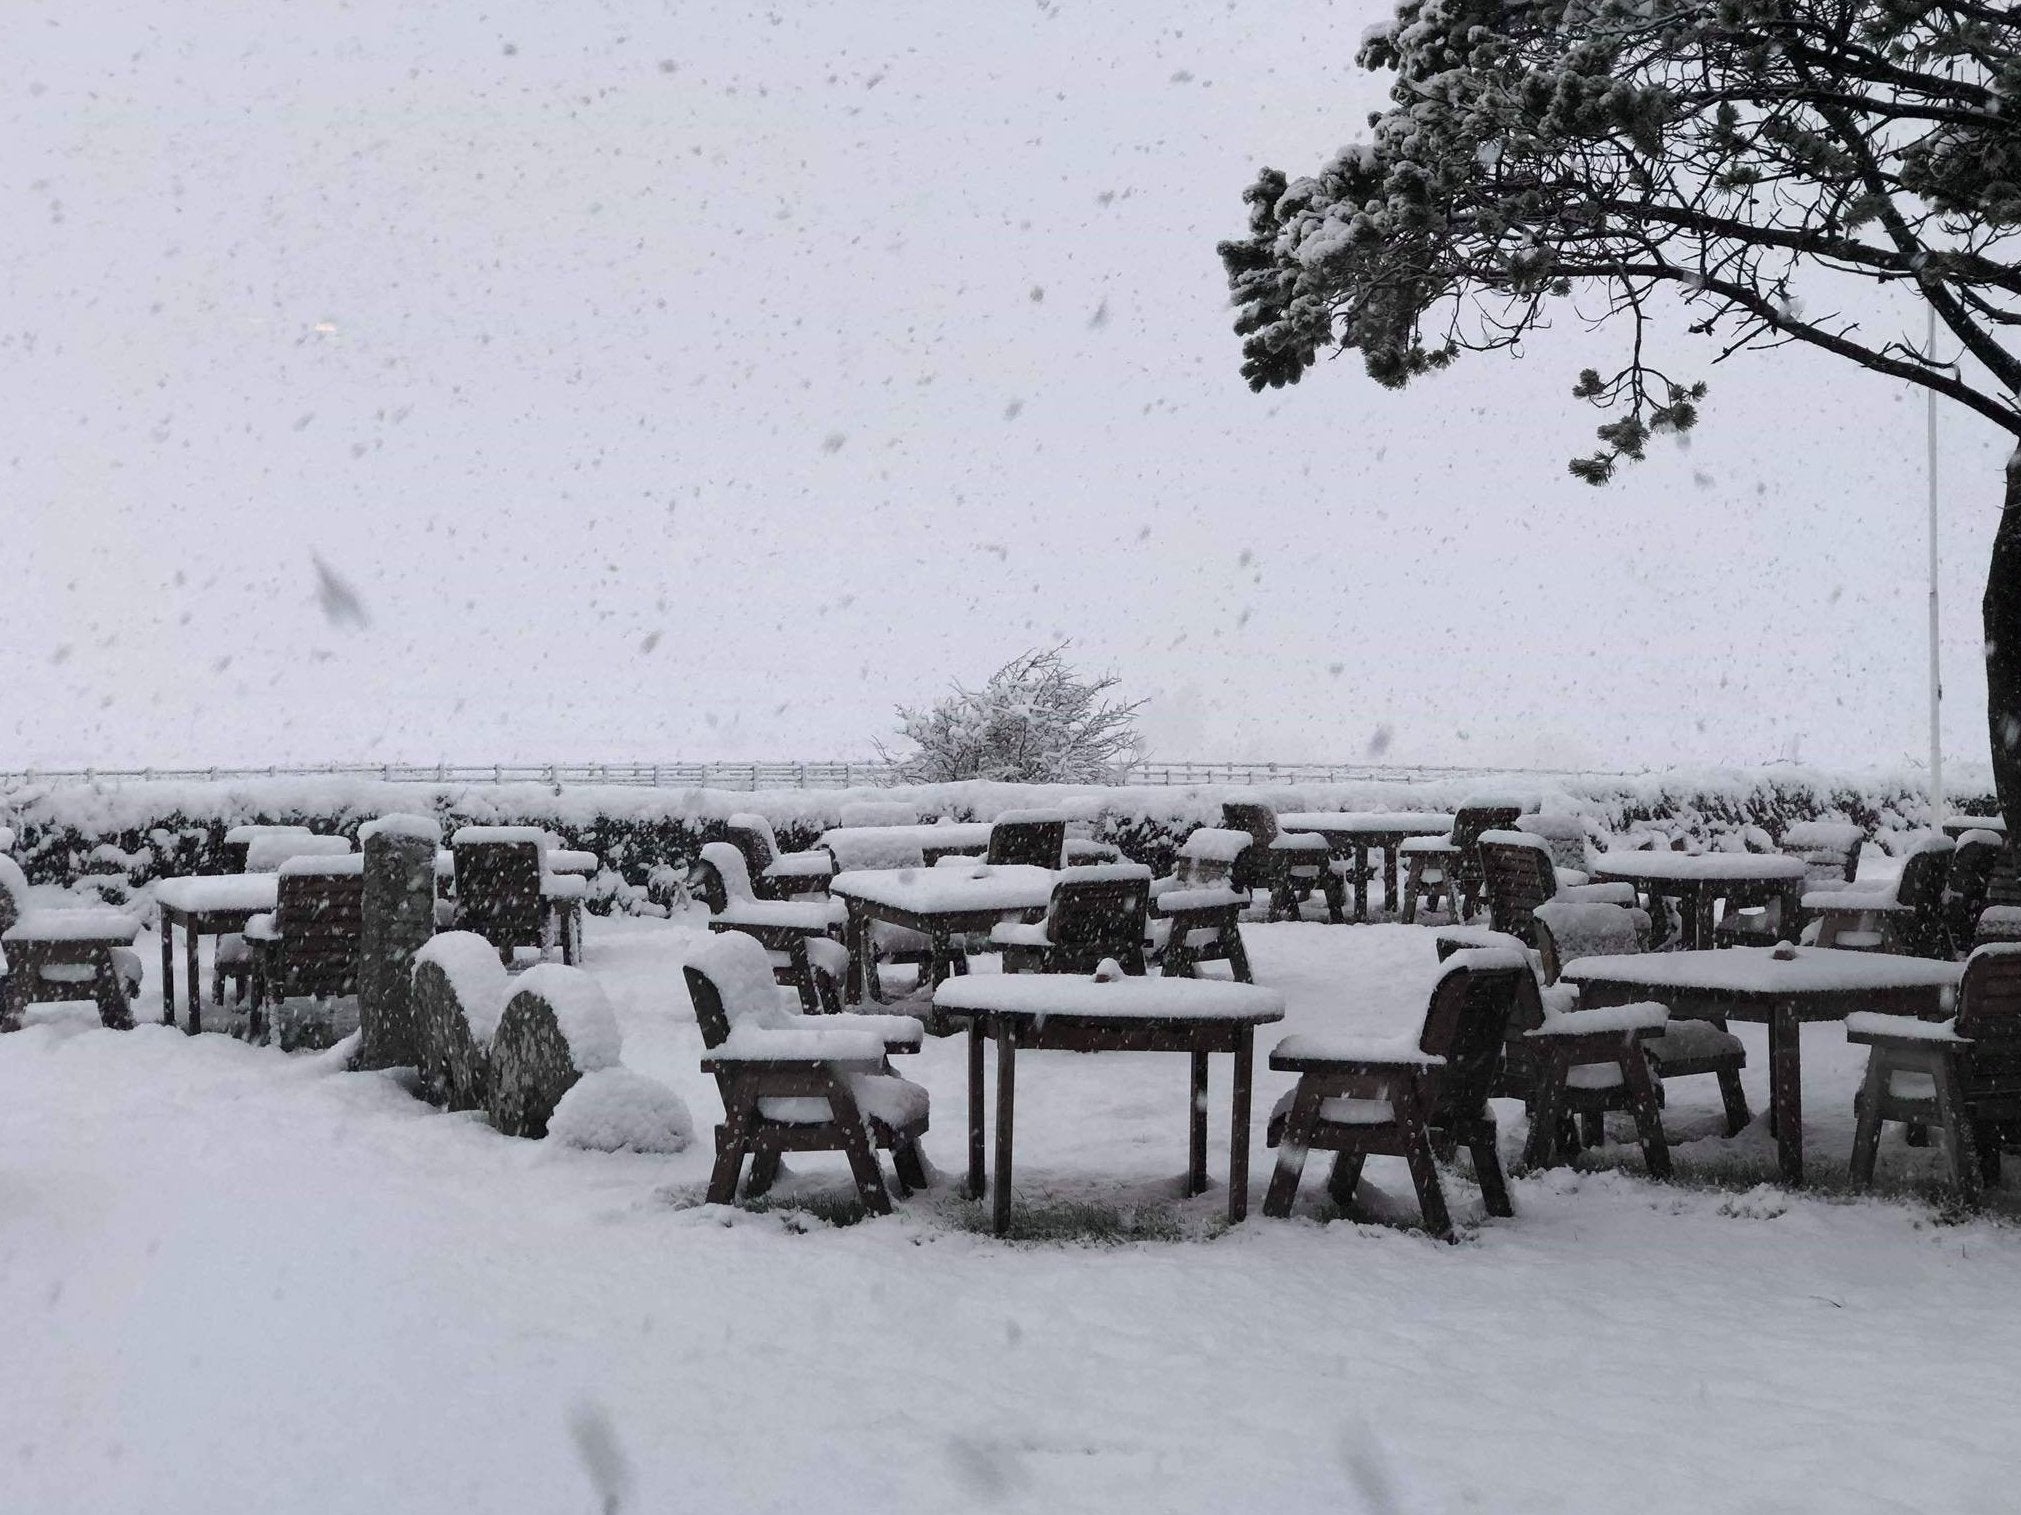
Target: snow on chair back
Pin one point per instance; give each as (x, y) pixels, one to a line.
(1563, 836)
(1569, 929)
(752, 835)
(320, 912)
(13, 892)
(731, 983)
(1989, 1012)
(1040, 844)
(1830, 849)
(1098, 912)
(1466, 1022)
(732, 870)
(1517, 870)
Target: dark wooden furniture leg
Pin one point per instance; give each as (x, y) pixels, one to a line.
(1389, 876)
(975, 1142)
(167, 970)
(1360, 882)
(193, 999)
(1785, 1066)
(1196, 1129)
(1238, 1125)
(1006, 1112)
(1700, 917)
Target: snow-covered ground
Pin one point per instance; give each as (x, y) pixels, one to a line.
(235, 1280)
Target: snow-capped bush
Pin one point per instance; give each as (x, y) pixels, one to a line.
(1036, 721)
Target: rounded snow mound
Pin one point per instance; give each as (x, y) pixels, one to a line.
(617, 1110)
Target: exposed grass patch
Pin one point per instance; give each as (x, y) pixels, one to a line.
(1071, 1222)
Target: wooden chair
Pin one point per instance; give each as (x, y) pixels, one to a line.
(794, 1084)
(1199, 907)
(1973, 860)
(1097, 912)
(774, 874)
(1037, 839)
(232, 855)
(1449, 867)
(1909, 918)
(1286, 866)
(1671, 1048)
(308, 946)
(1355, 1097)
(50, 955)
(1830, 850)
(1962, 1075)
(799, 935)
(1519, 876)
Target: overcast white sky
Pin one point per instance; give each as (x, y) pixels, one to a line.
(682, 381)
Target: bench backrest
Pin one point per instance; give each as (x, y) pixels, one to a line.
(1518, 873)
(1568, 929)
(1830, 849)
(1925, 872)
(1469, 821)
(1466, 1023)
(1972, 864)
(730, 982)
(1040, 844)
(1209, 855)
(321, 920)
(1989, 1012)
(498, 893)
(752, 836)
(1090, 919)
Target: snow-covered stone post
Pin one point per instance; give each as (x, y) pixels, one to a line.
(399, 919)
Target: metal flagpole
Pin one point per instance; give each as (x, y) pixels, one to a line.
(1936, 673)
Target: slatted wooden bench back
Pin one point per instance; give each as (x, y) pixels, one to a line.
(1037, 844)
(1972, 865)
(756, 847)
(1989, 1012)
(1518, 878)
(321, 919)
(498, 893)
(1090, 919)
(1252, 866)
(1466, 1023)
(1468, 824)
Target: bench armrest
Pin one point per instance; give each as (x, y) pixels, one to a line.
(1872, 1029)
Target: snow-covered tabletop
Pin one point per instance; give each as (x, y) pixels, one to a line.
(1758, 971)
(1077, 994)
(1782, 991)
(864, 847)
(1369, 822)
(949, 891)
(82, 925)
(221, 892)
(1704, 867)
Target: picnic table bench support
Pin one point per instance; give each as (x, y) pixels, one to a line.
(1196, 1129)
(167, 973)
(1785, 1093)
(1238, 1125)
(976, 1181)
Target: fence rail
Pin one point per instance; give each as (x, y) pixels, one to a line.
(819, 775)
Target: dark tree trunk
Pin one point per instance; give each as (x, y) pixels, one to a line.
(2003, 651)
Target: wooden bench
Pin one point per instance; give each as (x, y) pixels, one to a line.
(1286, 866)
(49, 955)
(1907, 919)
(1962, 1075)
(1519, 875)
(1358, 1096)
(1450, 866)
(791, 1083)
(1200, 906)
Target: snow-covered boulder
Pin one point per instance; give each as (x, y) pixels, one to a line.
(617, 1110)
(459, 994)
(556, 1027)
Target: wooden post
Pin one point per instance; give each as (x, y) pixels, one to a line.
(399, 919)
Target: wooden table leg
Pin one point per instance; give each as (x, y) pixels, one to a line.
(1238, 1125)
(1389, 878)
(192, 997)
(1360, 882)
(1785, 1070)
(1006, 1110)
(1196, 1129)
(1702, 896)
(975, 1143)
(167, 970)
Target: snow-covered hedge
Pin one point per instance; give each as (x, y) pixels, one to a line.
(116, 838)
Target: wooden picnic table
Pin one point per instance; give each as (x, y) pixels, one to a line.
(1696, 880)
(1353, 834)
(940, 903)
(1070, 1012)
(1782, 993)
(209, 905)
